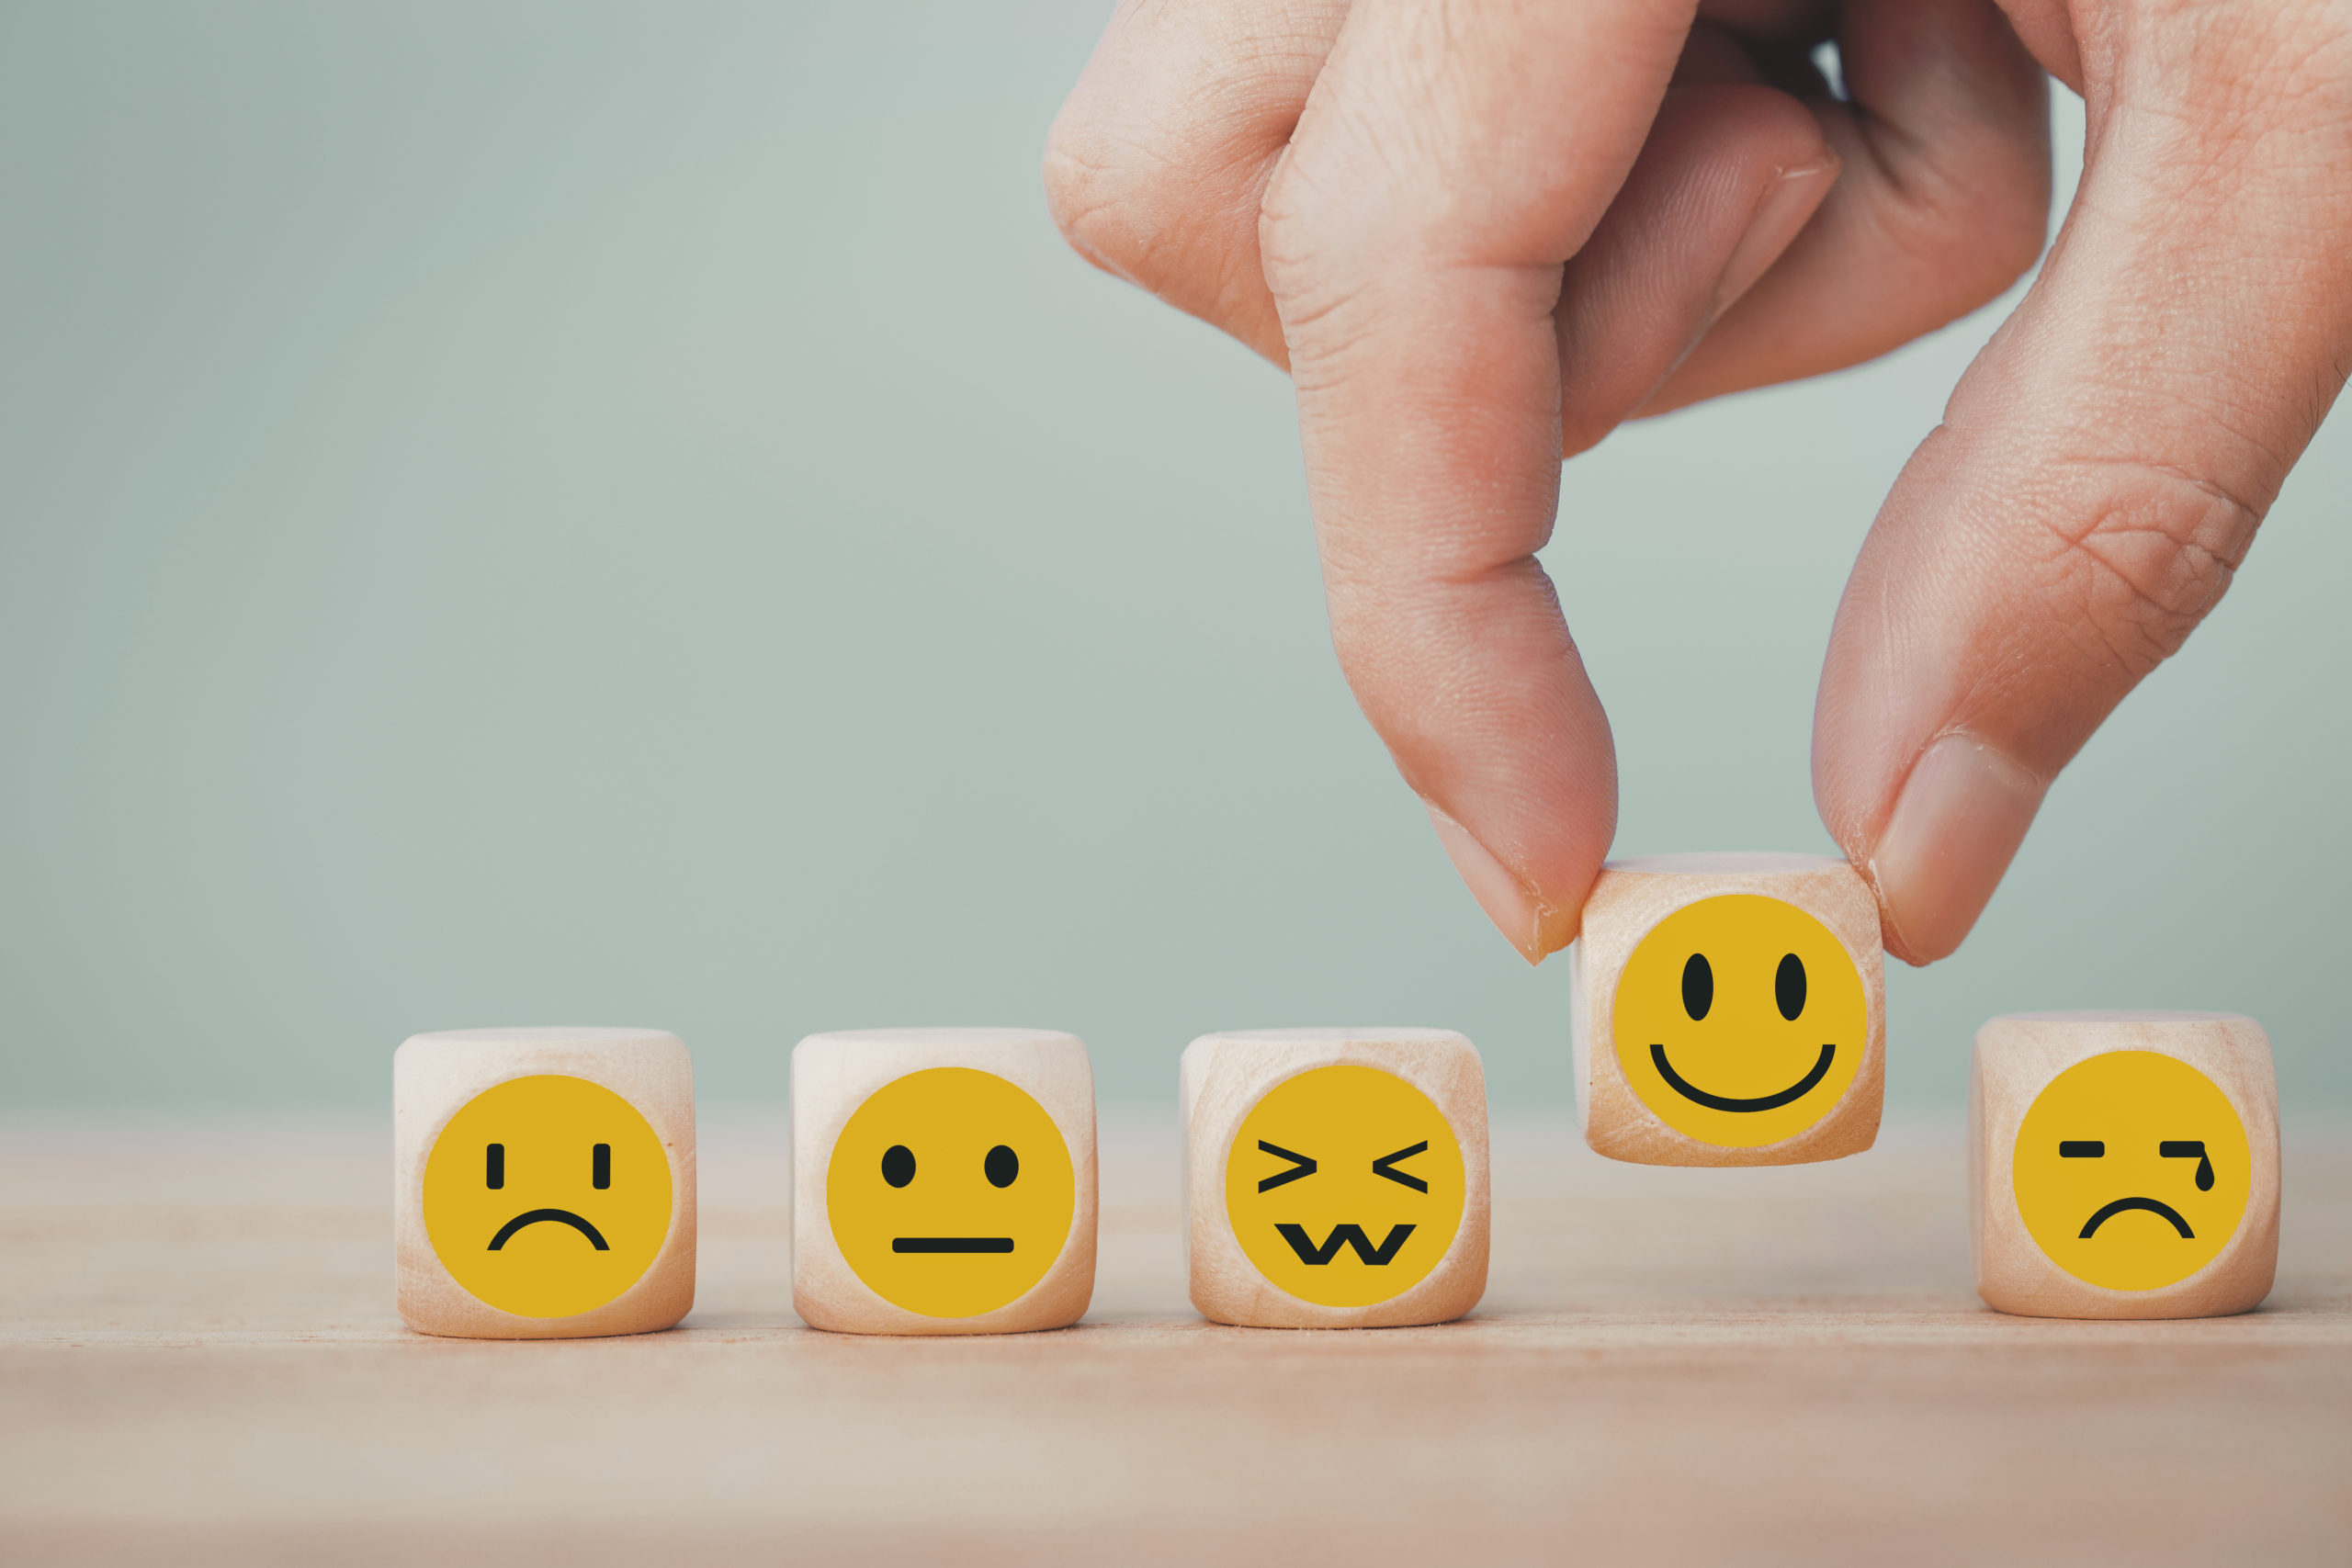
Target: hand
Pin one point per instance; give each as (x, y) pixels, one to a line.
(1480, 234)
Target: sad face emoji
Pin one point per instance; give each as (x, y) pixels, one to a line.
(546, 1196)
(1344, 1186)
(2132, 1170)
(1740, 1020)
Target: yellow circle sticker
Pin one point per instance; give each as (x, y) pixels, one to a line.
(2131, 1170)
(1344, 1186)
(950, 1192)
(546, 1196)
(1740, 1020)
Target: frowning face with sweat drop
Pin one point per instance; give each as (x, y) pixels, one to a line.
(2132, 1170)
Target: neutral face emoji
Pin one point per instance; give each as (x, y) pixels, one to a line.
(1740, 1020)
(2131, 1170)
(1344, 1186)
(546, 1196)
(950, 1192)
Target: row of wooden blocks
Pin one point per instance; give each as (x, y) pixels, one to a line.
(1727, 1011)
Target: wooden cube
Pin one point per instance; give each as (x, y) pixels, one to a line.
(944, 1181)
(1729, 1009)
(2123, 1163)
(1334, 1177)
(544, 1182)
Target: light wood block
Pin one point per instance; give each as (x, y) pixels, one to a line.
(1729, 1009)
(944, 1181)
(1335, 1177)
(544, 1182)
(2123, 1163)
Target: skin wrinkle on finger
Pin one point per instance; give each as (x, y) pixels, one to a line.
(1408, 154)
(1157, 166)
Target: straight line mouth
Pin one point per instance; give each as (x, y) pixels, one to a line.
(1698, 1096)
(2125, 1205)
(951, 1244)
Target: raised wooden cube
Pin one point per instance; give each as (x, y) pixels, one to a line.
(1729, 1009)
(2123, 1163)
(944, 1181)
(1335, 1177)
(544, 1182)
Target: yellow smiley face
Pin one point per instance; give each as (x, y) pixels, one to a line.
(950, 1192)
(1740, 1020)
(546, 1196)
(2132, 1170)
(1344, 1186)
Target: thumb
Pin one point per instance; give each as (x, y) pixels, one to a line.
(2103, 466)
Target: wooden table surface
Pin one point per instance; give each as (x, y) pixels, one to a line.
(199, 1363)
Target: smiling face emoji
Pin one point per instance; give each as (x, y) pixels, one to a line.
(2132, 1170)
(1344, 1186)
(546, 1196)
(1740, 1020)
(950, 1192)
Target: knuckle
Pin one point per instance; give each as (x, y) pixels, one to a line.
(1100, 186)
(2146, 558)
(1979, 231)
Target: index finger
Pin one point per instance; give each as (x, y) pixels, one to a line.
(1449, 161)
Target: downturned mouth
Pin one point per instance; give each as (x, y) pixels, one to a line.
(560, 1216)
(951, 1244)
(1693, 1093)
(2125, 1205)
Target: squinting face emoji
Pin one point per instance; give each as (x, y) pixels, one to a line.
(1344, 1186)
(1740, 1020)
(950, 1192)
(546, 1196)
(2131, 1170)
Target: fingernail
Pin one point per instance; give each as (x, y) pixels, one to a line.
(1516, 913)
(1785, 207)
(1960, 819)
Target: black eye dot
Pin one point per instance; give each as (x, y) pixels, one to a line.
(1002, 1166)
(1698, 986)
(898, 1165)
(496, 1173)
(600, 1166)
(1788, 986)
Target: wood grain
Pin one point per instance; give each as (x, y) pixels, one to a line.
(199, 1363)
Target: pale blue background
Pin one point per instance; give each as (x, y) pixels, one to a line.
(629, 513)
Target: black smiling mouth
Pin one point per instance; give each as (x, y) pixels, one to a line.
(1692, 1092)
(2125, 1205)
(951, 1244)
(560, 1216)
